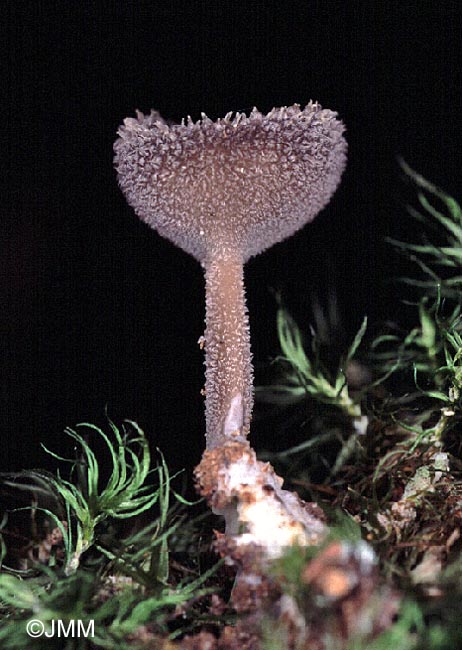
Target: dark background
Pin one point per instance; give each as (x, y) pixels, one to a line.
(96, 309)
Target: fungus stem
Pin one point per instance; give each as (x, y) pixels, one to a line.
(228, 360)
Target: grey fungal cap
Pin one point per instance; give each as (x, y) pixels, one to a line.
(234, 186)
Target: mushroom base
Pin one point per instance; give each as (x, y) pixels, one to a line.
(257, 511)
(262, 521)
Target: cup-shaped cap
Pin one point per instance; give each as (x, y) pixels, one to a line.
(237, 185)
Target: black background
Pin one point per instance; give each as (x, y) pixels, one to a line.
(96, 309)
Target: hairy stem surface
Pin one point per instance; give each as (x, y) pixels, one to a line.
(228, 360)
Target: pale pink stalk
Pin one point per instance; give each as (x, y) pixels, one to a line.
(228, 361)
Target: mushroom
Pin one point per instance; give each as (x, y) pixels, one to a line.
(225, 191)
